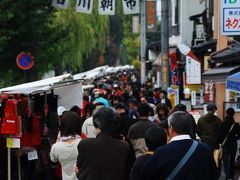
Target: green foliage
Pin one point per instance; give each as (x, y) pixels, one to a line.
(56, 38)
(131, 41)
(84, 33)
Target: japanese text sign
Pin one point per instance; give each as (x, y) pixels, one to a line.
(230, 24)
(84, 6)
(107, 7)
(63, 4)
(131, 6)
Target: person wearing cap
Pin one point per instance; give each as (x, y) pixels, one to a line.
(208, 128)
(116, 91)
(88, 127)
(61, 110)
(100, 99)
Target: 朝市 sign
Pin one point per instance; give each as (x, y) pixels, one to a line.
(230, 17)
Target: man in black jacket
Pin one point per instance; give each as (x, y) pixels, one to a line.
(208, 128)
(137, 131)
(230, 134)
(104, 157)
(200, 164)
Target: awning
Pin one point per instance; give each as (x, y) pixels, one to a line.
(230, 54)
(219, 74)
(205, 46)
(37, 86)
(196, 16)
(233, 82)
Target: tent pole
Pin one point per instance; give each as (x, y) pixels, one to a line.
(9, 164)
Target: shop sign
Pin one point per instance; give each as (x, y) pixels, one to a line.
(173, 95)
(209, 92)
(193, 71)
(230, 17)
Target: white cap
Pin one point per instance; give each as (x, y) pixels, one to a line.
(61, 110)
(115, 85)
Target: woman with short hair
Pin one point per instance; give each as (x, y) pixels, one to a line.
(65, 149)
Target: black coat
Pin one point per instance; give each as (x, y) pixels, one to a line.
(103, 158)
(234, 135)
(200, 166)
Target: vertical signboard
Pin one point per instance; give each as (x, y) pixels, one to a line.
(151, 16)
(230, 17)
(193, 71)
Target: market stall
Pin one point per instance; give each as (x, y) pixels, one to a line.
(29, 121)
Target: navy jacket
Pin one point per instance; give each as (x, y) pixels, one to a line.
(200, 166)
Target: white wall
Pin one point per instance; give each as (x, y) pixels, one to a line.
(187, 8)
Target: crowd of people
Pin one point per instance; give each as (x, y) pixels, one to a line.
(129, 131)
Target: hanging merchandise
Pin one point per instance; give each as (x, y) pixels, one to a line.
(11, 122)
(32, 137)
(106, 7)
(84, 6)
(131, 6)
(63, 4)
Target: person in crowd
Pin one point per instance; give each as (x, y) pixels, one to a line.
(77, 110)
(161, 115)
(164, 99)
(137, 131)
(85, 103)
(196, 159)
(133, 110)
(88, 127)
(61, 110)
(65, 149)
(104, 157)
(116, 100)
(230, 132)
(116, 91)
(208, 128)
(100, 99)
(182, 107)
(154, 138)
(124, 122)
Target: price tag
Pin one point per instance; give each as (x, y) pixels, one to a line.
(33, 155)
(13, 143)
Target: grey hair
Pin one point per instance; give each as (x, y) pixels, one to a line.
(180, 122)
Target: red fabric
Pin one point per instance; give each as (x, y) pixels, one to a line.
(11, 123)
(58, 170)
(118, 93)
(83, 113)
(32, 139)
(83, 136)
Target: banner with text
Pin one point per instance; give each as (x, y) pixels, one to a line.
(106, 7)
(131, 6)
(63, 4)
(84, 6)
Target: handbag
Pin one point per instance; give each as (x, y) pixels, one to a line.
(183, 161)
(217, 153)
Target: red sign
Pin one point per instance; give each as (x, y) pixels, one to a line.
(25, 61)
(174, 67)
(209, 94)
(151, 16)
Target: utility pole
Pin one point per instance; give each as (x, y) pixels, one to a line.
(165, 68)
(143, 41)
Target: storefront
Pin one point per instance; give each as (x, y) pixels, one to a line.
(215, 86)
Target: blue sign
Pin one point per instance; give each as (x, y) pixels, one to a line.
(24, 61)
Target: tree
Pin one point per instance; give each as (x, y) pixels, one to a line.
(56, 38)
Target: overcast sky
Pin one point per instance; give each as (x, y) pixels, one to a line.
(159, 9)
